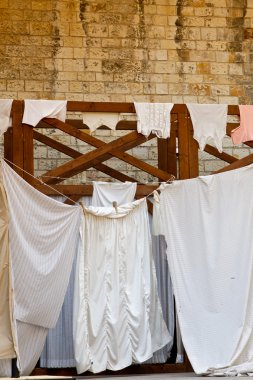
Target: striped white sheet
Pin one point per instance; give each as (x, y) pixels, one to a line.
(5, 368)
(44, 237)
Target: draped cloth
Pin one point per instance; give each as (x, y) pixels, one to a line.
(209, 123)
(5, 114)
(6, 339)
(117, 314)
(208, 228)
(154, 118)
(105, 193)
(36, 110)
(43, 238)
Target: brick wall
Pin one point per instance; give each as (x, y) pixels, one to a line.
(144, 50)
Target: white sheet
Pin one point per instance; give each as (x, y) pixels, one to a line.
(105, 193)
(5, 115)
(117, 314)
(154, 118)
(36, 110)
(95, 120)
(209, 123)
(208, 224)
(43, 237)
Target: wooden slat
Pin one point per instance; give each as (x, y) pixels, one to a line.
(237, 164)
(183, 146)
(83, 190)
(114, 152)
(8, 145)
(222, 156)
(193, 147)
(28, 152)
(18, 151)
(84, 162)
(74, 154)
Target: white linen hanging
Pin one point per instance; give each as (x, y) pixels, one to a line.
(94, 120)
(105, 193)
(208, 227)
(36, 110)
(5, 115)
(154, 118)
(117, 314)
(43, 236)
(209, 123)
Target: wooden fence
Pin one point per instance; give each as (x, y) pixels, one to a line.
(177, 156)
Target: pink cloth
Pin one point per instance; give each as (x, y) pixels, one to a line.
(245, 131)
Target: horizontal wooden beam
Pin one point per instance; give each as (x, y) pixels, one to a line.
(85, 190)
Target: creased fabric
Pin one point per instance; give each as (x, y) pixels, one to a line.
(245, 131)
(36, 110)
(5, 114)
(209, 123)
(117, 314)
(105, 193)
(43, 242)
(154, 118)
(6, 339)
(208, 227)
(94, 120)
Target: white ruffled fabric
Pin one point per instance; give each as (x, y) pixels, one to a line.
(209, 123)
(105, 193)
(117, 314)
(43, 235)
(94, 120)
(5, 114)
(154, 118)
(208, 224)
(36, 110)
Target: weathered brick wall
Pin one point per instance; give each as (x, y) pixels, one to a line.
(145, 50)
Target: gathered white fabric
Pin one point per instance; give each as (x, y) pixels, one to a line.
(117, 314)
(43, 236)
(208, 227)
(36, 110)
(5, 115)
(105, 193)
(154, 118)
(94, 120)
(209, 123)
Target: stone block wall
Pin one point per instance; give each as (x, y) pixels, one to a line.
(145, 50)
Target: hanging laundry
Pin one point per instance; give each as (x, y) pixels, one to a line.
(209, 123)
(6, 339)
(105, 193)
(58, 351)
(117, 314)
(43, 235)
(36, 110)
(245, 131)
(5, 114)
(210, 260)
(94, 120)
(154, 118)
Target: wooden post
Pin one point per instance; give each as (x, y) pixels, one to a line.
(8, 145)
(183, 145)
(167, 150)
(18, 149)
(28, 159)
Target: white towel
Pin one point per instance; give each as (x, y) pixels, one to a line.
(117, 313)
(36, 110)
(95, 120)
(105, 193)
(209, 123)
(208, 228)
(154, 118)
(5, 115)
